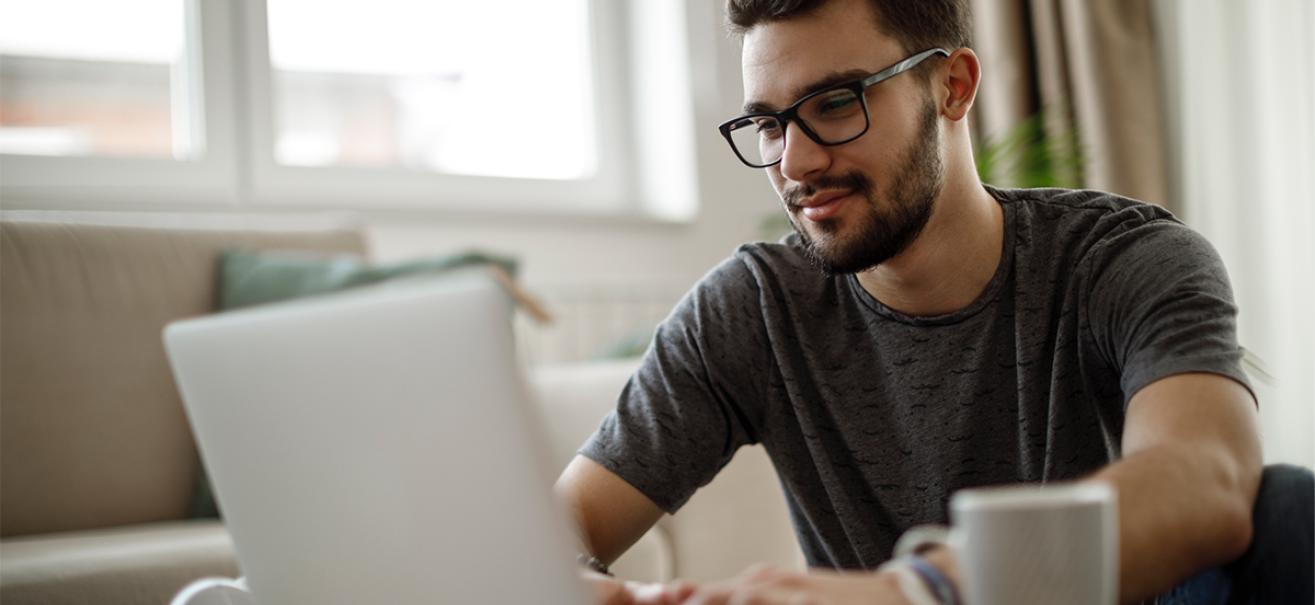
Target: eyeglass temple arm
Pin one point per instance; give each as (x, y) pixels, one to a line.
(903, 66)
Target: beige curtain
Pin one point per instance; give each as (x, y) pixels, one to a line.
(1091, 66)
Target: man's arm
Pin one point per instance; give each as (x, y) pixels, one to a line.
(612, 515)
(1187, 481)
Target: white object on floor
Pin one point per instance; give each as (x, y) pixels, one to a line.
(215, 591)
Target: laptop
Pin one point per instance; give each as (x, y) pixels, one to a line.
(376, 446)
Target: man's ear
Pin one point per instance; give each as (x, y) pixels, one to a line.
(962, 74)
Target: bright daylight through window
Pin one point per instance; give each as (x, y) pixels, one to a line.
(434, 86)
(88, 77)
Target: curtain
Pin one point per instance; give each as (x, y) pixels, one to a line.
(1241, 79)
(1206, 107)
(1090, 69)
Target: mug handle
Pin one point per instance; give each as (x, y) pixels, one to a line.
(919, 539)
(215, 591)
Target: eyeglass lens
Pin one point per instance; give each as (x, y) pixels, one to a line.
(834, 116)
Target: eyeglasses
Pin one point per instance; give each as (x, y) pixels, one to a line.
(831, 116)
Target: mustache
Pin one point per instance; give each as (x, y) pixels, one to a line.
(855, 181)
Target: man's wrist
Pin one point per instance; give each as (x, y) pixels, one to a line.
(943, 559)
(928, 575)
(898, 578)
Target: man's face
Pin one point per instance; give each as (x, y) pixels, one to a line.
(858, 204)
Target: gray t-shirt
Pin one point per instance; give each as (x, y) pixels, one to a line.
(873, 418)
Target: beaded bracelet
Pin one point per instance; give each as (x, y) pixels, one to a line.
(911, 585)
(940, 585)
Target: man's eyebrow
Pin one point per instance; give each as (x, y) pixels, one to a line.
(827, 81)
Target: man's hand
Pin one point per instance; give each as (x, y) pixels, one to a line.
(769, 585)
(611, 591)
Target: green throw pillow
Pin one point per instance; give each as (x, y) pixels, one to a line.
(249, 278)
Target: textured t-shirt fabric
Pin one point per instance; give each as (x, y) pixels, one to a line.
(873, 418)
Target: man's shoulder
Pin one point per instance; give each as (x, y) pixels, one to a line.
(1070, 209)
(1086, 205)
(1070, 225)
(761, 274)
(783, 262)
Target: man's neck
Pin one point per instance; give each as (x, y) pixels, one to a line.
(954, 258)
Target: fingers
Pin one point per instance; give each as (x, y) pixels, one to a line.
(738, 595)
(759, 585)
(659, 594)
(679, 592)
(607, 590)
(773, 585)
(762, 571)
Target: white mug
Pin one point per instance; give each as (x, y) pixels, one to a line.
(1031, 544)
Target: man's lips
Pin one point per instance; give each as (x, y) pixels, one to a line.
(823, 205)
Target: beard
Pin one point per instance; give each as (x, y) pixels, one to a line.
(878, 234)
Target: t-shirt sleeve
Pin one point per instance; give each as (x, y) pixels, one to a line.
(1161, 304)
(685, 412)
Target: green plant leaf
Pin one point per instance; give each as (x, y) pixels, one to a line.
(1025, 156)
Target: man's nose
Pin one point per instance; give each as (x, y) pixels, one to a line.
(802, 156)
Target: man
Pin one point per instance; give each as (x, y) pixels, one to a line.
(922, 333)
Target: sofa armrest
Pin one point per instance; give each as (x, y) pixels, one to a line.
(134, 564)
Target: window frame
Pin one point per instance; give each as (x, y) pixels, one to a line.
(209, 178)
(228, 52)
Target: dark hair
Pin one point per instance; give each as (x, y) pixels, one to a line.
(917, 24)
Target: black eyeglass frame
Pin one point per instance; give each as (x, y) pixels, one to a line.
(791, 113)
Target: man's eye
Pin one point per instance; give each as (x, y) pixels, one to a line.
(769, 128)
(836, 103)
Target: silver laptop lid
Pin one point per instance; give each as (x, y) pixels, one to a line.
(376, 447)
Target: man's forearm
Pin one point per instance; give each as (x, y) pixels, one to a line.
(611, 515)
(1181, 509)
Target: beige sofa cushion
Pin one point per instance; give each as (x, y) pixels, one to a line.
(143, 564)
(92, 433)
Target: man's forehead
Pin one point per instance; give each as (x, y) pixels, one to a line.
(784, 60)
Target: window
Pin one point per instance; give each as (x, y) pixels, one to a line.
(434, 86)
(341, 103)
(104, 86)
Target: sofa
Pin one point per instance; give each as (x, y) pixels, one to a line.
(99, 470)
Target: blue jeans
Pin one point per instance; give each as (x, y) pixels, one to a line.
(1279, 565)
